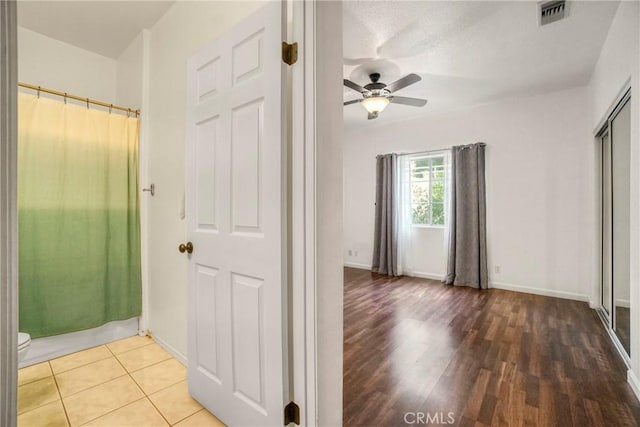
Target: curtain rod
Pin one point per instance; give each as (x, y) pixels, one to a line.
(425, 152)
(441, 150)
(79, 98)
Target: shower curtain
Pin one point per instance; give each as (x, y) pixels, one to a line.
(78, 211)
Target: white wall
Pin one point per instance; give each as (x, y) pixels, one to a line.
(618, 64)
(329, 235)
(130, 72)
(539, 186)
(185, 28)
(50, 63)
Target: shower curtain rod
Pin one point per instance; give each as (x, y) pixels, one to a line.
(79, 98)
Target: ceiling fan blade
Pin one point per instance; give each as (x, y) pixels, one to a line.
(354, 86)
(414, 102)
(407, 80)
(372, 116)
(352, 101)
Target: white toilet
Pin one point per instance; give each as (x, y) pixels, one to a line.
(24, 341)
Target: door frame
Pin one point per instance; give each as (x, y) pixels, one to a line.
(8, 217)
(302, 223)
(316, 233)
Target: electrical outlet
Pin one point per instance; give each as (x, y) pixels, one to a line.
(496, 269)
(350, 252)
(355, 253)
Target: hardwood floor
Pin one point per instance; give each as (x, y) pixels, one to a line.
(417, 352)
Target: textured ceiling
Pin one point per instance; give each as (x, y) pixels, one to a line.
(103, 27)
(468, 53)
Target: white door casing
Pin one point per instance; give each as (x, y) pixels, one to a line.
(236, 219)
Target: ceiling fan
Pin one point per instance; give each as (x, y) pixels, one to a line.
(376, 96)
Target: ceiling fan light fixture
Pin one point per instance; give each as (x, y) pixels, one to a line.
(375, 104)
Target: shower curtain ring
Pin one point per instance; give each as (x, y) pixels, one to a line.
(38, 92)
(110, 108)
(87, 103)
(65, 97)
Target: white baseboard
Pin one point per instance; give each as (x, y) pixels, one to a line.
(623, 303)
(170, 349)
(495, 285)
(632, 379)
(432, 276)
(541, 291)
(357, 265)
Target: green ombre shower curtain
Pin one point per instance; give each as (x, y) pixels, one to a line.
(79, 226)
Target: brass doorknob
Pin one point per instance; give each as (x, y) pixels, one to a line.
(188, 248)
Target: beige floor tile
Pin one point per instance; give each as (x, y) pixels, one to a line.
(49, 415)
(174, 402)
(143, 357)
(137, 414)
(80, 358)
(87, 376)
(201, 419)
(34, 373)
(100, 400)
(128, 344)
(159, 376)
(36, 394)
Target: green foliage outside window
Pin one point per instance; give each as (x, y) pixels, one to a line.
(427, 180)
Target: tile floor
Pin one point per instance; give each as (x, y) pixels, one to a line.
(131, 382)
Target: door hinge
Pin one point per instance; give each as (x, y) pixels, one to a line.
(289, 53)
(291, 414)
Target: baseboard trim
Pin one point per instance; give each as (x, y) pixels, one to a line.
(357, 265)
(632, 379)
(540, 291)
(623, 303)
(495, 285)
(432, 276)
(170, 349)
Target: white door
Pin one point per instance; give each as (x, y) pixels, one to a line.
(236, 199)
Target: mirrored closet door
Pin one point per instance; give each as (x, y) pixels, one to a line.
(615, 196)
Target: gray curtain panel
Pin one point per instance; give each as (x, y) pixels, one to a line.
(467, 263)
(385, 246)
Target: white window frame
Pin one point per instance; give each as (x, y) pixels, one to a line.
(445, 180)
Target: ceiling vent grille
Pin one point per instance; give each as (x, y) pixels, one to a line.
(552, 11)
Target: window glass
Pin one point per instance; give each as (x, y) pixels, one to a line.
(427, 179)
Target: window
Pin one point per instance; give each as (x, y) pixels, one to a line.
(427, 189)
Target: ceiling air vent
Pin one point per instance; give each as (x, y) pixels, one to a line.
(552, 11)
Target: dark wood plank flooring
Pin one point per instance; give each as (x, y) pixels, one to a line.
(417, 352)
